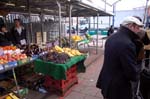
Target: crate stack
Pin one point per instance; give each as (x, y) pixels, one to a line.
(62, 86)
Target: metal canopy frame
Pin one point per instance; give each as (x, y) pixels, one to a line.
(61, 8)
(50, 7)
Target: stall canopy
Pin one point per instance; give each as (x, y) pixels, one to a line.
(50, 7)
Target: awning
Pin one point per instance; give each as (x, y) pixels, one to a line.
(50, 7)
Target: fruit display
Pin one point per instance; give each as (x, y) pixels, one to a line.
(76, 38)
(9, 48)
(11, 96)
(58, 49)
(56, 57)
(31, 50)
(69, 51)
(65, 42)
(11, 58)
(11, 54)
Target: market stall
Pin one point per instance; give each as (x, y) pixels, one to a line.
(64, 73)
(58, 71)
(60, 77)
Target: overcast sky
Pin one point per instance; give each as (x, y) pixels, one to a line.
(128, 4)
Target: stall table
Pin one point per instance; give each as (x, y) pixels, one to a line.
(60, 76)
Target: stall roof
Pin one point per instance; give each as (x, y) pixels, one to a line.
(50, 7)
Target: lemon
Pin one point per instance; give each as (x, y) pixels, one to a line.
(8, 97)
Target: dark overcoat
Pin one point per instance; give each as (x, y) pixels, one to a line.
(4, 40)
(18, 37)
(120, 66)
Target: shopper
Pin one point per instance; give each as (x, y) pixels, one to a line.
(19, 33)
(110, 30)
(5, 37)
(121, 66)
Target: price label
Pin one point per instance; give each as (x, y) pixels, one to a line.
(1, 67)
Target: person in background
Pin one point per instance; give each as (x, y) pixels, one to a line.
(145, 39)
(110, 30)
(121, 65)
(5, 37)
(73, 30)
(85, 30)
(19, 33)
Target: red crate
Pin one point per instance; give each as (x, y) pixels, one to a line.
(62, 85)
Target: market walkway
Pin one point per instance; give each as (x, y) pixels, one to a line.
(87, 81)
(85, 89)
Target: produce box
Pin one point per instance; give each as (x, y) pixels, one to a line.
(23, 61)
(62, 86)
(32, 81)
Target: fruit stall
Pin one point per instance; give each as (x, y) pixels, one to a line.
(32, 66)
(58, 66)
(12, 59)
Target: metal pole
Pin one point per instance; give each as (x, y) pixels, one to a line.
(59, 7)
(70, 9)
(30, 39)
(77, 25)
(114, 11)
(105, 4)
(113, 20)
(97, 34)
(41, 19)
(14, 75)
(145, 16)
(94, 22)
(109, 20)
(89, 24)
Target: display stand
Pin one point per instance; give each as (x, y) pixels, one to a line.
(62, 86)
(60, 77)
(16, 82)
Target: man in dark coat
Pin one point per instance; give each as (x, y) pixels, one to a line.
(19, 33)
(5, 37)
(121, 66)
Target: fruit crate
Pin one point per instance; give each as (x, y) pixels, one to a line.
(62, 86)
(31, 81)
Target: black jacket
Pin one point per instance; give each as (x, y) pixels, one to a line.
(4, 39)
(17, 37)
(120, 65)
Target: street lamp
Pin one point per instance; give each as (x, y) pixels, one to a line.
(114, 8)
(114, 11)
(146, 13)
